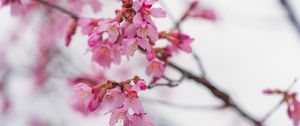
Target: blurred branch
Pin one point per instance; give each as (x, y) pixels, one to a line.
(190, 107)
(63, 10)
(200, 64)
(228, 102)
(291, 15)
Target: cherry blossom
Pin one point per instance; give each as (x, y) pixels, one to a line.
(179, 41)
(293, 105)
(197, 10)
(71, 31)
(293, 108)
(141, 120)
(155, 67)
(83, 96)
(116, 98)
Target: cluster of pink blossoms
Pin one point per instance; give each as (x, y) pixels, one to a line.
(132, 29)
(109, 39)
(118, 98)
(290, 99)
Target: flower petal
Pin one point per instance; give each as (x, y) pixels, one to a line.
(158, 13)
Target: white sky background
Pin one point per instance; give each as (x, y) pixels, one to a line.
(251, 47)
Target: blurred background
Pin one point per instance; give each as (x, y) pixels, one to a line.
(252, 46)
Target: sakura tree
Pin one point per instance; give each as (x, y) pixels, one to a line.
(129, 33)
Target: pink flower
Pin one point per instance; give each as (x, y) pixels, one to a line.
(94, 40)
(103, 56)
(117, 115)
(155, 67)
(143, 21)
(294, 112)
(98, 92)
(293, 108)
(87, 25)
(150, 55)
(83, 96)
(113, 100)
(145, 7)
(142, 85)
(132, 101)
(272, 91)
(130, 31)
(112, 27)
(141, 120)
(181, 41)
(198, 11)
(208, 14)
(71, 31)
(116, 53)
(158, 13)
(145, 27)
(133, 38)
(130, 46)
(117, 98)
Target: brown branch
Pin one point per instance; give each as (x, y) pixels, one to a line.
(200, 80)
(200, 64)
(170, 83)
(63, 10)
(216, 92)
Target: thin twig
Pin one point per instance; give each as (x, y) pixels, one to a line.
(200, 64)
(171, 83)
(190, 107)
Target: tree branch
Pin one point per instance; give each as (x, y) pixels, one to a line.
(216, 92)
(63, 10)
(200, 64)
(170, 83)
(291, 15)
